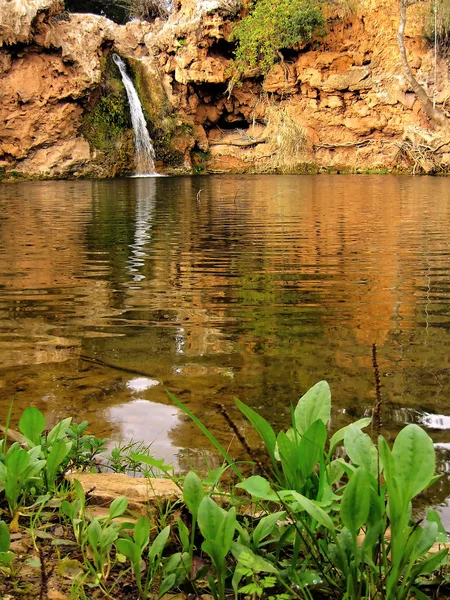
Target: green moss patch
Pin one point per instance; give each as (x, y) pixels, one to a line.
(107, 122)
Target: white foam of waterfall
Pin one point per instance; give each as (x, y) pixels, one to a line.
(143, 147)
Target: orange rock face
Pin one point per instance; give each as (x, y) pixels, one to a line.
(348, 96)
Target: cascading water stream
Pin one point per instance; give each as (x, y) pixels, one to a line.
(143, 147)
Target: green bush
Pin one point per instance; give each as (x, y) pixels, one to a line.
(273, 25)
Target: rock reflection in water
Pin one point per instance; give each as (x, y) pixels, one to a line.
(256, 288)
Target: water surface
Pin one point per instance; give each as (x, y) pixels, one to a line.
(214, 287)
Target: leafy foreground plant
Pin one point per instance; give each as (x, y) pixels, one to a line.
(328, 517)
(40, 465)
(349, 531)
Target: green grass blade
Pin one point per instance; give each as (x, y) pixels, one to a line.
(207, 433)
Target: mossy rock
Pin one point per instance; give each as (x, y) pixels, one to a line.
(107, 123)
(153, 97)
(199, 160)
(165, 127)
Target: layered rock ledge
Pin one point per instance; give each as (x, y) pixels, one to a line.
(341, 103)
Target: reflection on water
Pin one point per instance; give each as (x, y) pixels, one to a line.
(145, 208)
(257, 287)
(133, 419)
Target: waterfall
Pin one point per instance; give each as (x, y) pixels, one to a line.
(143, 147)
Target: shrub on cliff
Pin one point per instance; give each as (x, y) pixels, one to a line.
(273, 25)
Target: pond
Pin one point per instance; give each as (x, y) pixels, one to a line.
(112, 292)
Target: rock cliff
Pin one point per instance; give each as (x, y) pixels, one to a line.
(341, 103)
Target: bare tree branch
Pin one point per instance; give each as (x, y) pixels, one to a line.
(436, 115)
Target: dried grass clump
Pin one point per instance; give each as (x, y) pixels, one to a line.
(231, 6)
(342, 9)
(289, 140)
(145, 10)
(422, 150)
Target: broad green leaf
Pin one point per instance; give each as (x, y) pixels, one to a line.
(59, 431)
(434, 517)
(59, 450)
(210, 517)
(226, 531)
(292, 436)
(387, 462)
(6, 558)
(81, 496)
(314, 405)
(427, 538)
(238, 574)
(313, 510)
(258, 487)
(180, 564)
(335, 470)
(244, 535)
(172, 562)
(355, 501)
(377, 507)
(94, 533)
(414, 459)
(265, 431)
(141, 532)
(214, 551)
(109, 535)
(118, 507)
(311, 447)
(290, 459)
(5, 539)
(346, 544)
(266, 525)
(183, 533)
(337, 437)
(156, 549)
(167, 584)
(129, 549)
(349, 469)
(17, 460)
(372, 537)
(429, 565)
(361, 450)
(193, 493)
(68, 509)
(211, 582)
(32, 424)
(257, 564)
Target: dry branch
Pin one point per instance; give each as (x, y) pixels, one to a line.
(243, 144)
